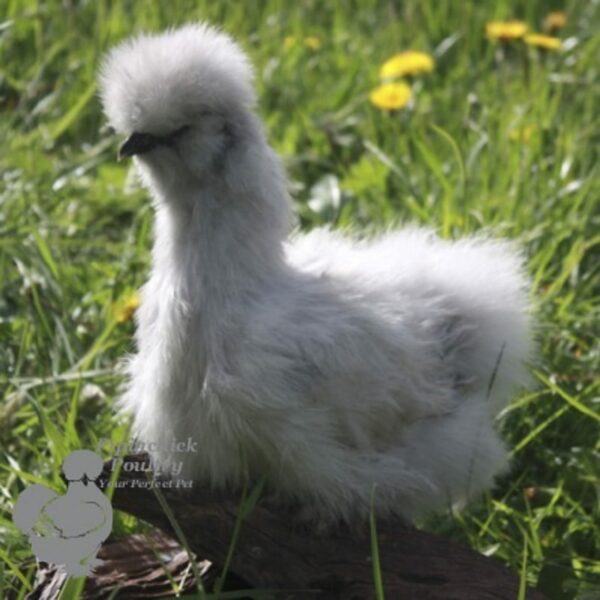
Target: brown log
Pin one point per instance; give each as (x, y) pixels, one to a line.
(137, 566)
(274, 553)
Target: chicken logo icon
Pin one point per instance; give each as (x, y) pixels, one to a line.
(67, 530)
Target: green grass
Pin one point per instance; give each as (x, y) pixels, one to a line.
(75, 228)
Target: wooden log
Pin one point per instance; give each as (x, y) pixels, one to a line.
(273, 552)
(149, 565)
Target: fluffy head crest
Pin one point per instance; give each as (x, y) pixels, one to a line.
(157, 83)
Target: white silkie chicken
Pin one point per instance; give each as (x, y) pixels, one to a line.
(323, 363)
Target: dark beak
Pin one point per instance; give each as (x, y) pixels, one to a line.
(138, 143)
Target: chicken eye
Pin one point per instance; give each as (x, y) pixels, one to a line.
(175, 135)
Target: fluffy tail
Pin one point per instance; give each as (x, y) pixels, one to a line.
(491, 301)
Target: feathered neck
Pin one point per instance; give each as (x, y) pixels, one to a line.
(224, 242)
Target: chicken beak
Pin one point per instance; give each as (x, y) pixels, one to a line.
(138, 143)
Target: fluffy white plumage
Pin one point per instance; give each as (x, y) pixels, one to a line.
(326, 363)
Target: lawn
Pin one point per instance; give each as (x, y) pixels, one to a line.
(500, 136)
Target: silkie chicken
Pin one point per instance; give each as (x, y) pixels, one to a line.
(324, 363)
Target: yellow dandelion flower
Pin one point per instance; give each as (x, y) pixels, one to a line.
(522, 135)
(506, 30)
(125, 309)
(289, 41)
(391, 96)
(312, 42)
(406, 63)
(546, 42)
(555, 20)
